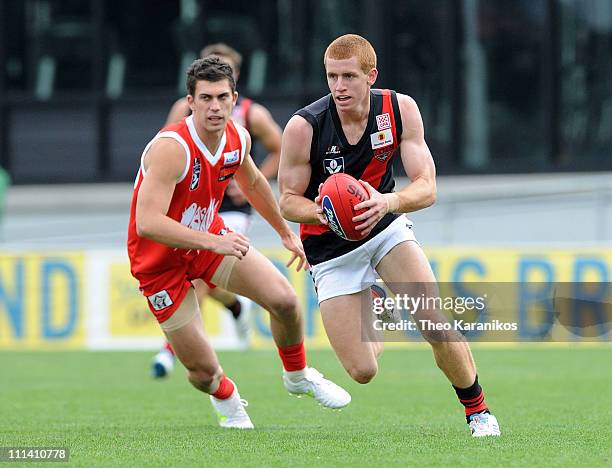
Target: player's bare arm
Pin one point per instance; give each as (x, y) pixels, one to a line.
(420, 169)
(259, 194)
(164, 164)
(178, 111)
(294, 174)
(263, 127)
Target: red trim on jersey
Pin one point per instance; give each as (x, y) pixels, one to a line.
(240, 113)
(374, 171)
(312, 230)
(246, 106)
(377, 167)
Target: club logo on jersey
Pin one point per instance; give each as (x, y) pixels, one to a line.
(199, 218)
(382, 156)
(231, 158)
(160, 300)
(383, 121)
(381, 139)
(333, 165)
(332, 219)
(195, 177)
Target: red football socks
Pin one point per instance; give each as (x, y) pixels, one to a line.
(225, 390)
(472, 398)
(293, 357)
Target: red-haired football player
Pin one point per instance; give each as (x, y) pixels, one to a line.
(359, 130)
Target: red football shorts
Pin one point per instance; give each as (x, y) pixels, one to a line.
(166, 290)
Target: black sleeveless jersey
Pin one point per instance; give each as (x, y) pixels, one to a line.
(369, 160)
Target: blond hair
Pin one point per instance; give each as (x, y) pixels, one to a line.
(223, 51)
(352, 45)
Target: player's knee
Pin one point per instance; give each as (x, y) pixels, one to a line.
(285, 304)
(363, 374)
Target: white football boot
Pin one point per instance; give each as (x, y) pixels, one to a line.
(484, 424)
(313, 384)
(231, 412)
(163, 363)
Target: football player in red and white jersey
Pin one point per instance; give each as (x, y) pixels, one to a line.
(235, 209)
(176, 235)
(362, 129)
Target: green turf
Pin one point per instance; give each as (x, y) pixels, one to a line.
(553, 405)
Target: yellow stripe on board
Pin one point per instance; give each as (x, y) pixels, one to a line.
(42, 296)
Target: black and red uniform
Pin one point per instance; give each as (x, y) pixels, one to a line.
(370, 159)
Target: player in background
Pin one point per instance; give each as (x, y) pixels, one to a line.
(176, 235)
(235, 209)
(358, 130)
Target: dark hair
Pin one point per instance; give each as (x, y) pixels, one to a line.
(209, 69)
(225, 52)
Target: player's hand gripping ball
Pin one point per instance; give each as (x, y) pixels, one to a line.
(339, 195)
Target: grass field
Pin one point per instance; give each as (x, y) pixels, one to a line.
(554, 406)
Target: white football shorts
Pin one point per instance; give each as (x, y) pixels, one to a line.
(354, 271)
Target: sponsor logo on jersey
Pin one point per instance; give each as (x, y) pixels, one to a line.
(231, 163)
(332, 219)
(160, 300)
(381, 139)
(383, 121)
(333, 165)
(199, 218)
(231, 158)
(195, 177)
(333, 150)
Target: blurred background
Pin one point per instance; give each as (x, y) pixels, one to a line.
(503, 85)
(516, 97)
